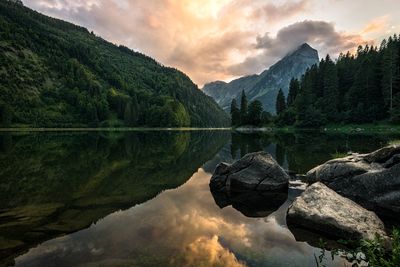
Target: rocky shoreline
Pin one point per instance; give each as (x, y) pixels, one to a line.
(346, 198)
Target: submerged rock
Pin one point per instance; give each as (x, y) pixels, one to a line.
(372, 180)
(321, 209)
(254, 172)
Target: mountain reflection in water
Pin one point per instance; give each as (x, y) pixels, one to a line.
(178, 227)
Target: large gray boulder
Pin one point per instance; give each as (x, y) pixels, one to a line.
(254, 172)
(372, 180)
(321, 209)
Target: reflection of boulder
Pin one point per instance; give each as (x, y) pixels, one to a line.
(251, 204)
(314, 238)
(321, 209)
(372, 180)
(254, 172)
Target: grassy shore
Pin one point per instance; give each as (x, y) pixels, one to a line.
(109, 129)
(384, 128)
(362, 128)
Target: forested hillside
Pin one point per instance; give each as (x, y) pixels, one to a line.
(56, 74)
(360, 88)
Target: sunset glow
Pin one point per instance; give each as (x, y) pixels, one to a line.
(220, 40)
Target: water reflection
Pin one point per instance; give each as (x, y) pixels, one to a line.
(251, 204)
(55, 184)
(52, 184)
(301, 151)
(184, 228)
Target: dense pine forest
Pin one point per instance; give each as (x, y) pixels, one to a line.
(354, 89)
(360, 88)
(56, 74)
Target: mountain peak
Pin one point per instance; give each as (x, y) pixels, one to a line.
(305, 50)
(305, 46)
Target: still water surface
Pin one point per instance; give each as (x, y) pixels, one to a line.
(142, 199)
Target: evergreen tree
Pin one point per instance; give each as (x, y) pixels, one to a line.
(254, 113)
(390, 71)
(365, 99)
(266, 118)
(5, 115)
(63, 79)
(243, 109)
(361, 88)
(235, 113)
(346, 72)
(307, 115)
(92, 117)
(293, 90)
(129, 115)
(330, 89)
(395, 112)
(280, 102)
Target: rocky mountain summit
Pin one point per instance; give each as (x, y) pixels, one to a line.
(265, 86)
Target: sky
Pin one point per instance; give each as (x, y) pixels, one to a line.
(224, 39)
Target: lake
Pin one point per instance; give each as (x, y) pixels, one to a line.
(142, 198)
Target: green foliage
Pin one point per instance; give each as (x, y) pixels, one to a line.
(294, 88)
(243, 108)
(288, 117)
(395, 111)
(235, 113)
(254, 113)
(338, 154)
(377, 254)
(5, 115)
(58, 183)
(280, 103)
(373, 253)
(309, 118)
(56, 74)
(266, 118)
(354, 89)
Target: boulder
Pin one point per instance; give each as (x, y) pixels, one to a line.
(254, 172)
(321, 209)
(372, 180)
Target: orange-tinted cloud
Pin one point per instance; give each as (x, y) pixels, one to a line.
(272, 12)
(209, 252)
(207, 39)
(376, 25)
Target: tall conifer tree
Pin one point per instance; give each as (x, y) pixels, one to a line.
(280, 102)
(243, 108)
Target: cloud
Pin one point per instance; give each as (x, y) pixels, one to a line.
(209, 252)
(207, 39)
(202, 38)
(376, 25)
(272, 12)
(185, 228)
(320, 34)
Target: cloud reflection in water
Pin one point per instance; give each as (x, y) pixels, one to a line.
(180, 227)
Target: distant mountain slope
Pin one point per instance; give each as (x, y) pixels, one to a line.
(54, 73)
(265, 86)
